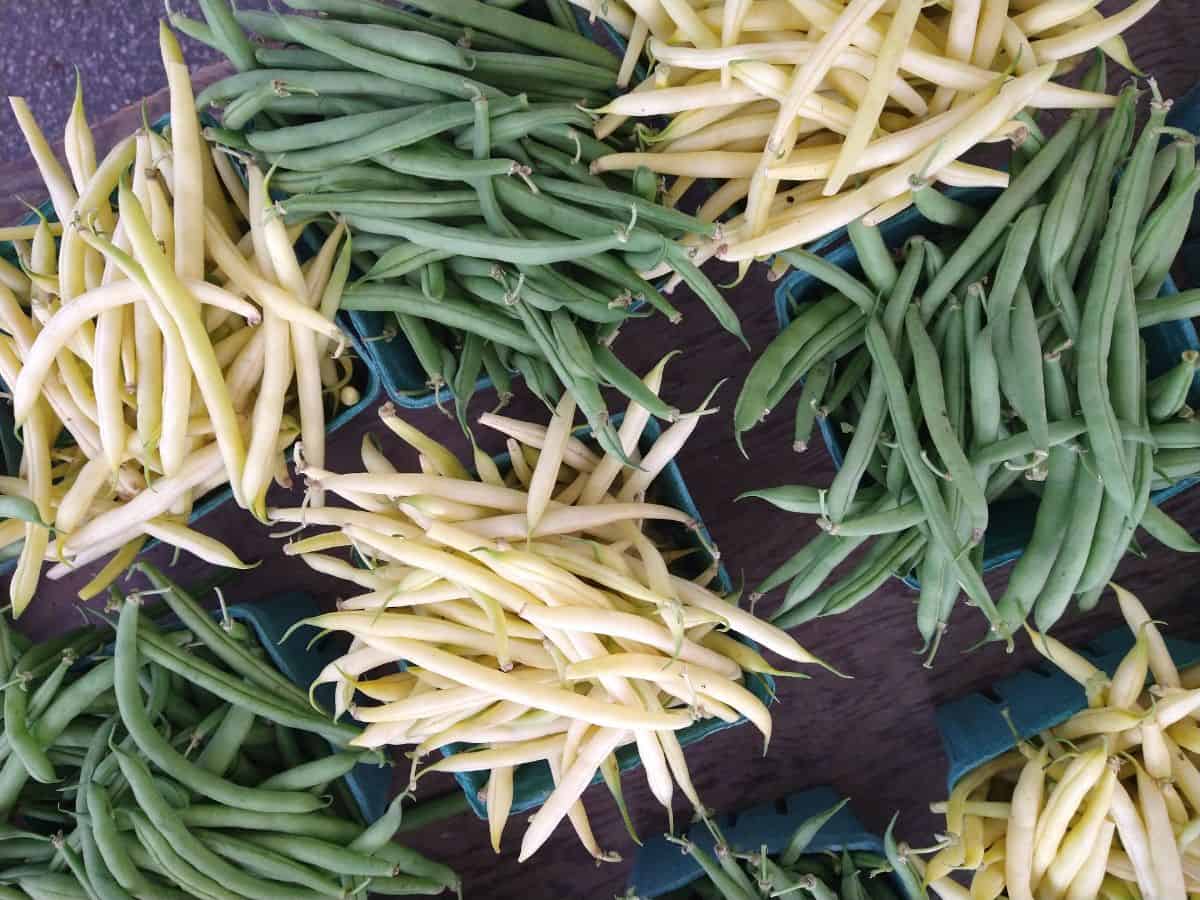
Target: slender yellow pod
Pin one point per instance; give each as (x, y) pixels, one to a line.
(113, 569)
(1140, 623)
(1080, 40)
(499, 802)
(184, 312)
(63, 195)
(570, 787)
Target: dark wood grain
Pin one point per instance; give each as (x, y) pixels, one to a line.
(872, 738)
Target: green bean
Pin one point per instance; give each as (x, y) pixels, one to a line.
(267, 863)
(109, 841)
(322, 854)
(484, 246)
(174, 865)
(316, 772)
(618, 376)
(451, 311)
(198, 31)
(574, 351)
(873, 256)
(1184, 305)
(571, 220)
(1168, 393)
(1006, 207)
(823, 554)
(298, 58)
(1110, 545)
(561, 163)
(751, 404)
(413, 46)
(834, 276)
(874, 412)
(67, 706)
(842, 336)
(1162, 235)
(401, 260)
(498, 374)
(229, 37)
(799, 498)
(301, 208)
(187, 845)
(372, 11)
(521, 123)
(306, 31)
(405, 885)
(353, 84)
(16, 730)
(529, 32)
(317, 824)
(1161, 170)
(944, 210)
(1055, 515)
(1150, 284)
(481, 149)
(229, 651)
(1111, 150)
(218, 754)
(1100, 308)
(1061, 222)
(160, 752)
(53, 886)
(940, 525)
(884, 560)
(932, 394)
(354, 177)
(808, 403)
(849, 376)
(1176, 435)
(377, 144)
(494, 67)
(493, 291)
(331, 130)
(426, 347)
(1030, 393)
(885, 521)
(579, 144)
(658, 216)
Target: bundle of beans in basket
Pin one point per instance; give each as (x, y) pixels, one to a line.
(463, 173)
(167, 379)
(1003, 355)
(537, 619)
(181, 764)
(1103, 805)
(816, 113)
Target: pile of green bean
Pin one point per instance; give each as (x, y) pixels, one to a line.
(730, 874)
(463, 174)
(1001, 357)
(181, 765)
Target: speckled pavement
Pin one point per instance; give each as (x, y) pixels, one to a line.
(113, 42)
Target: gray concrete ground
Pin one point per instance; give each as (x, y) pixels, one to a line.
(113, 42)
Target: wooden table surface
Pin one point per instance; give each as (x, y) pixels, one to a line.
(872, 738)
